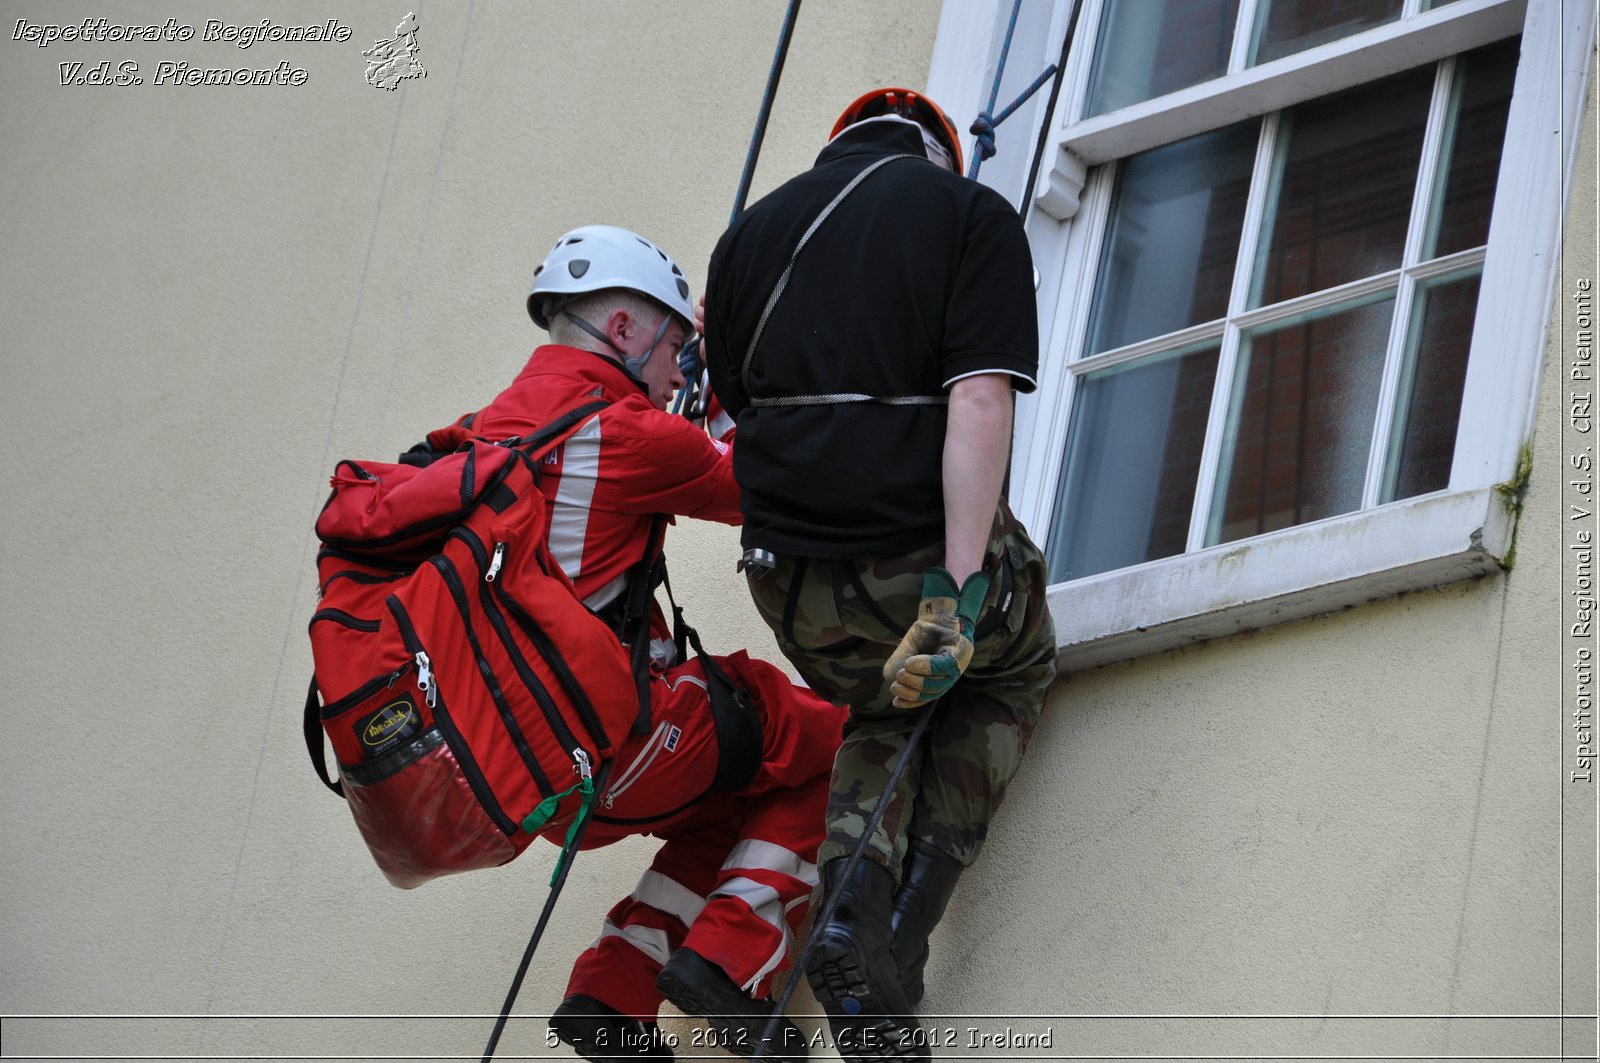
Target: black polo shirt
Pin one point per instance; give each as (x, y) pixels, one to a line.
(920, 277)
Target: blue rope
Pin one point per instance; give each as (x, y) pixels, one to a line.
(983, 126)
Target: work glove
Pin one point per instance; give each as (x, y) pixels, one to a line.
(938, 648)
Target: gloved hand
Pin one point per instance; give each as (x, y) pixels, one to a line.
(938, 647)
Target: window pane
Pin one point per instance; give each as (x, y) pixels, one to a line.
(1294, 25)
(1430, 395)
(1173, 237)
(1344, 196)
(1133, 457)
(1152, 47)
(1477, 133)
(1303, 421)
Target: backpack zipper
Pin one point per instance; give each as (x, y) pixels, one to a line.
(364, 691)
(458, 592)
(344, 619)
(640, 765)
(569, 683)
(428, 683)
(491, 564)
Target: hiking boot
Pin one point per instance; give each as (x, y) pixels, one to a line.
(926, 882)
(699, 987)
(852, 969)
(603, 1034)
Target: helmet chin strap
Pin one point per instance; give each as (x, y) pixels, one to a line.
(634, 367)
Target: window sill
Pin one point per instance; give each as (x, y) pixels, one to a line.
(1298, 572)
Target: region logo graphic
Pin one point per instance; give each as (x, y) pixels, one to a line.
(392, 61)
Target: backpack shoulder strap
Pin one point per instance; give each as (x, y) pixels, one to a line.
(551, 435)
(313, 726)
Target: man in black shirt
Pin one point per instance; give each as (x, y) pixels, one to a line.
(871, 377)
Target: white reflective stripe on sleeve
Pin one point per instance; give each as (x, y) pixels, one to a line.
(669, 896)
(569, 520)
(648, 940)
(719, 426)
(985, 372)
(755, 853)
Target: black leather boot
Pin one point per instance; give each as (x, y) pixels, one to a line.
(699, 987)
(926, 882)
(852, 969)
(602, 1034)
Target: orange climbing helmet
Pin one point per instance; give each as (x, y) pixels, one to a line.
(906, 104)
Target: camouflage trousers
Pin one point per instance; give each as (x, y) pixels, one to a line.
(839, 620)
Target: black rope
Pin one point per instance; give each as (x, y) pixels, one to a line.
(601, 777)
(1049, 110)
(797, 972)
(760, 133)
(689, 364)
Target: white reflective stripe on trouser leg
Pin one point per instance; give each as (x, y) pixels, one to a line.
(647, 939)
(753, 853)
(669, 896)
(764, 901)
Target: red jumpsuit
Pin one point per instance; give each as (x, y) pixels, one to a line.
(734, 876)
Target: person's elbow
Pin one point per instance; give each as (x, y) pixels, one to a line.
(985, 396)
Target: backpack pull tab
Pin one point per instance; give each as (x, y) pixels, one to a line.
(495, 562)
(581, 764)
(427, 682)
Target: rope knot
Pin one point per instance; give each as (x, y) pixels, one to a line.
(983, 129)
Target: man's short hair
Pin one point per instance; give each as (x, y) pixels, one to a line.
(595, 308)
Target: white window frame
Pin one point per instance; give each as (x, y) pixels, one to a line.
(1458, 533)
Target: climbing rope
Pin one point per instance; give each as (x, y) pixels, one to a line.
(689, 363)
(1049, 109)
(983, 127)
(760, 133)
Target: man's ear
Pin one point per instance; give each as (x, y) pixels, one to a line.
(619, 324)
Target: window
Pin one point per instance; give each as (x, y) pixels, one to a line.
(1295, 273)
(1319, 260)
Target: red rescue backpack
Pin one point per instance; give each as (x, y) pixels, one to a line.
(468, 695)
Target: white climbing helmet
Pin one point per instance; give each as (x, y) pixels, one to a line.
(596, 257)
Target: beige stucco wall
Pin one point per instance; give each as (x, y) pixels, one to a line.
(209, 295)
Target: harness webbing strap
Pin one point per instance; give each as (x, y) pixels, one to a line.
(783, 281)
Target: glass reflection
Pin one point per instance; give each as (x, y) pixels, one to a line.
(1133, 458)
(1173, 237)
(1302, 420)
